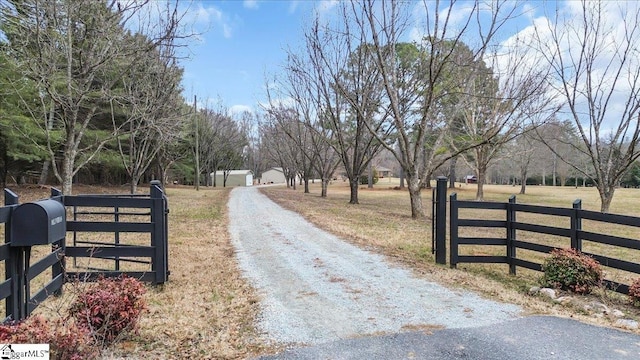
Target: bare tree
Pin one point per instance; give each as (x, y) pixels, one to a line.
(152, 102)
(222, 143)
(501, 103)
(349, 85)
(280, 149)
(592, 52)
(417, 107)
(300, 84)
(75, 50)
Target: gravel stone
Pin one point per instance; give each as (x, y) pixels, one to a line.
(317, 288)
(550, 293)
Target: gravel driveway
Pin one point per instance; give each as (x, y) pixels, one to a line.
(316, 288)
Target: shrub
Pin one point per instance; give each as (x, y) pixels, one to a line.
(109, 308)
(569, 269)
(634, 292)
(66, 341)
(364, 179)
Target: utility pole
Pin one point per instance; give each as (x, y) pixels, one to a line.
(197, 153)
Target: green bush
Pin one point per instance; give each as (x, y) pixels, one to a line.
(364, 179)
(569, 269)
(634, 292)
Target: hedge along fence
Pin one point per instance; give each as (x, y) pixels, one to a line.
(97, 237)
(522, 235)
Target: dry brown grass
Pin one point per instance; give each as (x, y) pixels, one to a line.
(382, 222)
(207, 309)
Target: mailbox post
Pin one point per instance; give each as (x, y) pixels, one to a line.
(37, 223)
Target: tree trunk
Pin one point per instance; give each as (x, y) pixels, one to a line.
(370, 176)
(133, 184)
(353, 184)
(415, 195)
(427, 182)
(481, 179)
(523, 186)
(67, 172)
(452, 172)
(606, 195)
(325, 185)
(306, 185)
(401, 178)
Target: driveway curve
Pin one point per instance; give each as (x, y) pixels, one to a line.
(328, 299)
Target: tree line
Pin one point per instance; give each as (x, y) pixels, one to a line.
(91, 91)
(453, 85)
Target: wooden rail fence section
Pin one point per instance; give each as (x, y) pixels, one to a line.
(16, 290)
(514, 231)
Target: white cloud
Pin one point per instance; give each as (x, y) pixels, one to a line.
(325, 6)
(293, 6)
(250, 4)
(239, 109)
(616, 19)
(276, 103)
(210, 18)
(226, 31)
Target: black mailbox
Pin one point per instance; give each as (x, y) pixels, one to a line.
(38, 223)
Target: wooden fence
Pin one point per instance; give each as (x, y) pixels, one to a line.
(105, 214)
(516, 232)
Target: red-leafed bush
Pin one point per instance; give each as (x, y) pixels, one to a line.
(110, 307)
(634, 292)
(66, 341)
(569, 269)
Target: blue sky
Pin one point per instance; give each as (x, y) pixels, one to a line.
(241, 42)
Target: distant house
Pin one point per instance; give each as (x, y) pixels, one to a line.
(275, 175)
(470, 179)
(235, 178)
(383, 172)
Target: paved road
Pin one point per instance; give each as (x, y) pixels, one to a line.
(331, 300)
(537, 337)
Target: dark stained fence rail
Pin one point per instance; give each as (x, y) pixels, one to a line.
(153, 207)
(16, 288)
(511, 241)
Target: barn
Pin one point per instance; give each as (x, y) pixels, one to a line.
(275, 175)
(235, 178)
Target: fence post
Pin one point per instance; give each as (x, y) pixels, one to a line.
(453, 230)
(11, 265)
(58, 268)
(441, 220)
(511, 235)
(165, 235)
(433, 221)
(157, 241)
(576, 225)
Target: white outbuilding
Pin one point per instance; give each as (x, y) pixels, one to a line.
(235, 178)
(275, 175)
